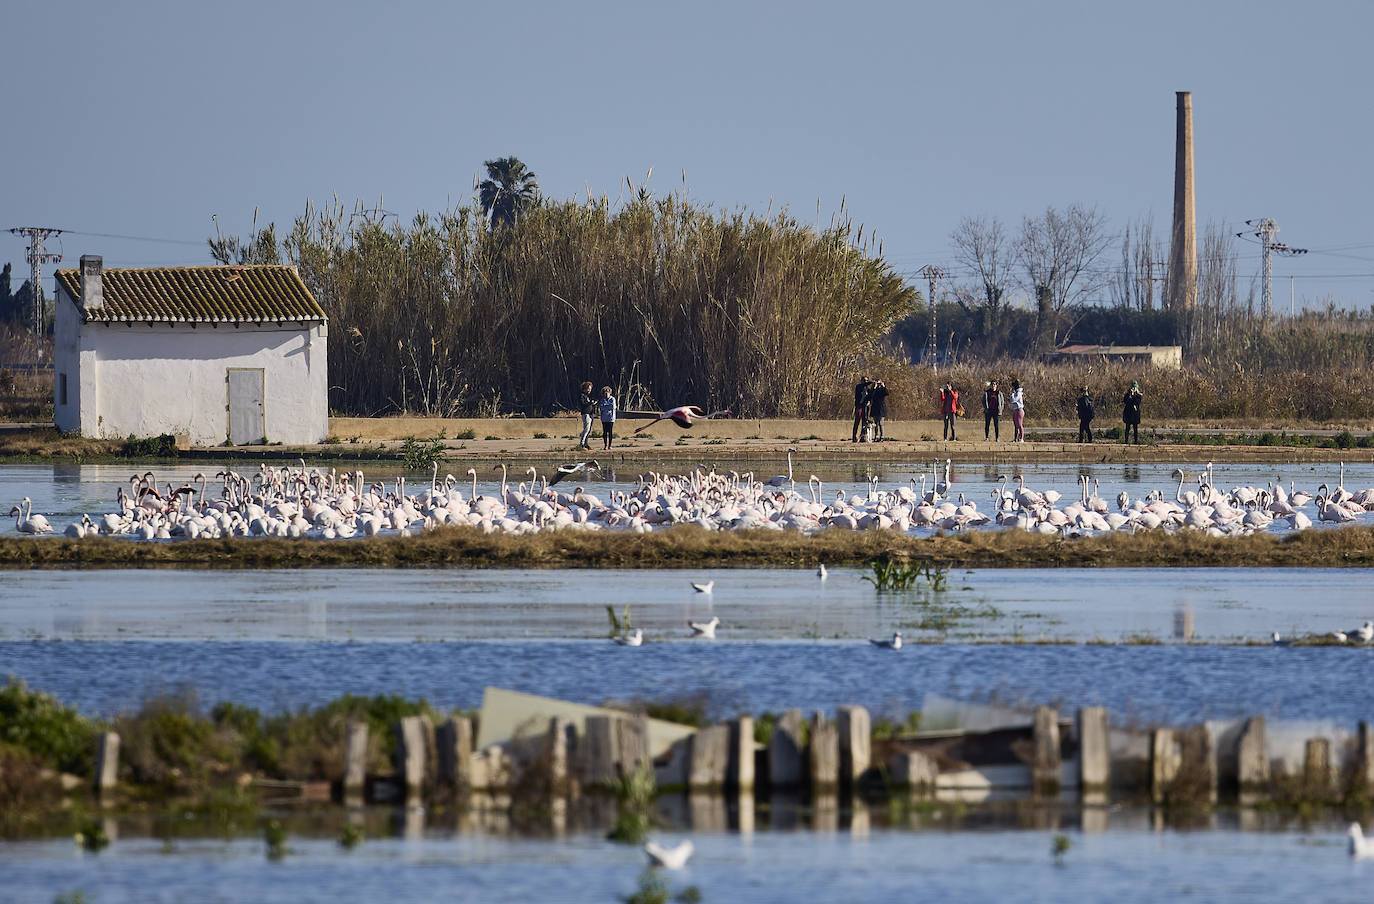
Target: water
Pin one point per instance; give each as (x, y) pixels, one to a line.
(1174, 684)
(1110, 604)
(990, 865)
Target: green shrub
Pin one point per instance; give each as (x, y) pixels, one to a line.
(418, 454)
(1344, 440)
(37, 724)
(164, 446)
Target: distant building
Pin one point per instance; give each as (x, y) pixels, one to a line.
(220, 354)
(1166, 356)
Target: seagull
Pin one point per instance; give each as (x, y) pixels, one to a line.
(634, 639)
(576, 467)
(820, 572)
(1359, 845)
(1280, 642)
(682, 416)
(706, 628)
(894, 644)
(1339, 636)
(703, 588)
(1364, 633)
(669, 858)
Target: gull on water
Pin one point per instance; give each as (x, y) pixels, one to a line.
(820, 572)
(1282, 642)
(1339, 636)
(669, 858)
(634, 639)
(703, 588)
(1364, 633)
(706, 628)
(894, 644)
(1360, 847)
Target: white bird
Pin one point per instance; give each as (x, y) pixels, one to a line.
(894, 644)
(706, 628)
(634, 639)
(669, 858)
(1364, 633)
(1359, 845)
(1339, 636)
(1280, 642)
(780, 480)
(703, 588)
(820, 572)
(682, 416)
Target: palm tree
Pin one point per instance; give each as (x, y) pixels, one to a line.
(509, 189)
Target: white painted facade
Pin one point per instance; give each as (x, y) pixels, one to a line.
(113, 380)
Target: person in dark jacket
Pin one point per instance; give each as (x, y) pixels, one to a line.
(1085, 416)
(586, 405)
(1130, 412)
(861, 400)
(993, 403)
(877, 408)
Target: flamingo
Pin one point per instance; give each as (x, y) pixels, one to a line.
(27, 522)
(576, 467)
(682, 416)
(781, 480)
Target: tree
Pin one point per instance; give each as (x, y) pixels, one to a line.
(509, 189)
(1057, 253)
(980, 246)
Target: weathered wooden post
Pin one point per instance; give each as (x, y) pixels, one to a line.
(1252, 760)
(1364, 759)
(785, 764)
(741, 770)
(825, 756)
(106, 761)
(355, 761)
(1094, 751)
(708, 762)
(557, 753)
(411, 745)
(632, 743)
(1316, 768)
(1045, 766)
(914, 770)
(1164, 762)
(856, 731)
(598, 750)
(453, 740)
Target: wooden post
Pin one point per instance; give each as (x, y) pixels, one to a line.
(106, 761)
(411, 746)
(599, 752)
(1094, 750)
(785, 751)
(1316, 767)
(1252, 758)
(1164, 762)
(1364, 759)
(355, 760)
(741, 770)
(1045, 766)
(453, 740)
(856, 731)
(632, 743)
(825, 755)
(709, 759)
(910, 769)
(558, 755)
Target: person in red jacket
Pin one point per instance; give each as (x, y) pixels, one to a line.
(949, 405)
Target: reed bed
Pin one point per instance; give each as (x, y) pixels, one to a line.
(687, 546)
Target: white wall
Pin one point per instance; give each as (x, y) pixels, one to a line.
(66, 354)
(148, 379)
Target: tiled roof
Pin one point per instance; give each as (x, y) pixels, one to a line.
(250, 294)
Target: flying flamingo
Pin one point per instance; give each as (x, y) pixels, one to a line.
(682, 416)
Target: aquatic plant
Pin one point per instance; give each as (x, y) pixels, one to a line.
(92, 835)
(351, 835)
(54, 734)
(890, 574)
(1059, 846)
(275, 835)
(634, 793)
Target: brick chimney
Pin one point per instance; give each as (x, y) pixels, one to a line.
(92, 288)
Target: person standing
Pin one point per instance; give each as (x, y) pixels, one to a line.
(861, 399)
(1130, 412)
(877, 408)
(1085, 416)
(1018, 412)
(949, 407)
(607, 406)
(586, 405)
(992, 410)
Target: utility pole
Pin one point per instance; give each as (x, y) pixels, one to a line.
(37, 257)
(932, 275)
(1265, 229)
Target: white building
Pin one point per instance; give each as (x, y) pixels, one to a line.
(221, 354)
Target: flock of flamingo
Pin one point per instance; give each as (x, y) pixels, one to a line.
(309, 502)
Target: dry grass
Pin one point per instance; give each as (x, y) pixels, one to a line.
(691, 547)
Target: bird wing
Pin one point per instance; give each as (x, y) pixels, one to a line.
(661, 417)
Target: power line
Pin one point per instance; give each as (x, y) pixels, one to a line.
(37, 258)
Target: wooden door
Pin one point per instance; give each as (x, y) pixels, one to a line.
(245, 406)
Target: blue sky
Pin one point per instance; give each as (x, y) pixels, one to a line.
(149, 117)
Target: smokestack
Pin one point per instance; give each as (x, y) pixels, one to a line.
(1183, 245)
(92, 282)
